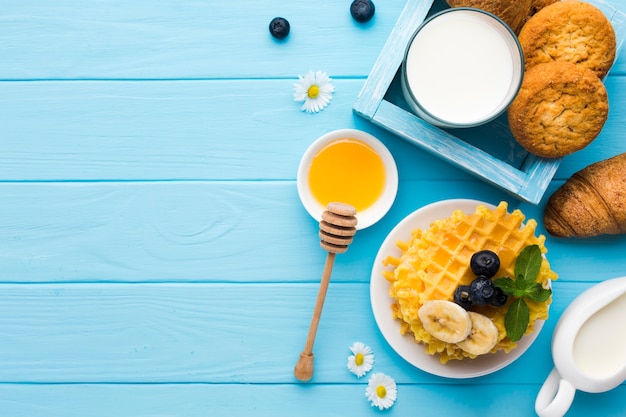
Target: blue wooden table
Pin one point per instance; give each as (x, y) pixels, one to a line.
(155, 259)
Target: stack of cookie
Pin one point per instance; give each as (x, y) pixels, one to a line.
(562, 105)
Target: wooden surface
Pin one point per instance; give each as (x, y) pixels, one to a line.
(154, 257)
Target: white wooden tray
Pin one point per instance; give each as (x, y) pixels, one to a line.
(490, 152)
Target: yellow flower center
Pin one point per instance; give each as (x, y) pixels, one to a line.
(358, 359)
(313, 91)
(381, 391)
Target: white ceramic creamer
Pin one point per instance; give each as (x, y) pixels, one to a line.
(588, 348)
(462, 68)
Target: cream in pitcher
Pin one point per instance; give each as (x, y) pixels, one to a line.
(588, 348)
(602, 329)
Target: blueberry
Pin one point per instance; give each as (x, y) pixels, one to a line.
(485, 262)
(462, 296)
(481, 290)
(499, 298)
(362, 10)
(279, 27)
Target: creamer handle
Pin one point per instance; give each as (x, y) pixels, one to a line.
(555, 396)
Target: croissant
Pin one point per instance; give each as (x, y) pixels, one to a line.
(590, 203)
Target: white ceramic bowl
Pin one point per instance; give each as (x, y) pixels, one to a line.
(373, 213)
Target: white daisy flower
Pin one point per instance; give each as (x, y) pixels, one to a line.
(315, 89)
(381, 391)
(362, 359)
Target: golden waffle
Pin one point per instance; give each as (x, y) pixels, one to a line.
(436, 261)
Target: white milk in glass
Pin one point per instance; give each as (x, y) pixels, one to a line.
(463, 68)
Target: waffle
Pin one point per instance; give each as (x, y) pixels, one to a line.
(434, 262)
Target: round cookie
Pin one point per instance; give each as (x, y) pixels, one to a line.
(571, 31)
(560, 109)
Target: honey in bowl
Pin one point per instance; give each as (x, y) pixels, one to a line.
(348, 166)
(347, 170)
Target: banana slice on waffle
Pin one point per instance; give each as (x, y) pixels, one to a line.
(445, 320)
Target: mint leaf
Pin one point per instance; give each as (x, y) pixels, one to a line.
(521, 289)
(516, 319)
(517, 288)
(528, 264)
(537, 293)
(507, 285)
(520, 284)
(525, 285)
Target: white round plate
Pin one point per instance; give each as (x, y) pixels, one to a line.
(405, 345)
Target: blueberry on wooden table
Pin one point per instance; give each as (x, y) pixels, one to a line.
(362, 10)
(279, 27)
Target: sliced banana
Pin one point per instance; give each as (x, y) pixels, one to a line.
(483, 336)
(445, 320)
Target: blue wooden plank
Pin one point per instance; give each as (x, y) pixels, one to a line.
(117, 39)
(205, 130)
(188, 130)
(212, 333)
(200, 400)
(199, 231)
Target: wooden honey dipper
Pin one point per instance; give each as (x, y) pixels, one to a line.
(337, 229)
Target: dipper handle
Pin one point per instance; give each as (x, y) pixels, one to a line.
(337, 230)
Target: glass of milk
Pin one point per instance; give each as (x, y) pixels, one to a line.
(462, 68)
